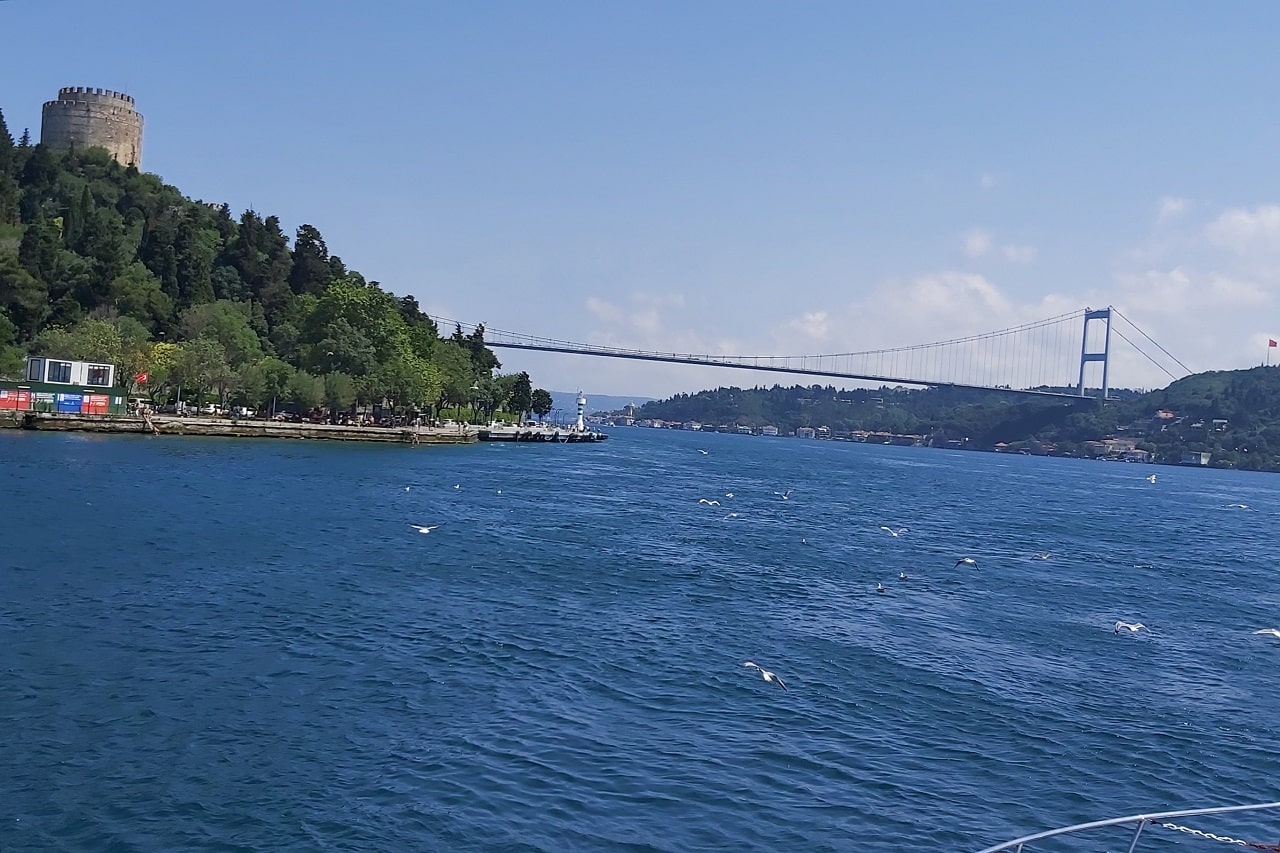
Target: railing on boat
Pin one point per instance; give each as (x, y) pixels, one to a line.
(1141, 822)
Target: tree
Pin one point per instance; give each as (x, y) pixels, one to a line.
(23, 297)
(92, 339)
(304, 390)
(339, 391)
(520, 400)
(310, 272)
(227, 323)
(136, 293)
(10, 355)
(540, 402)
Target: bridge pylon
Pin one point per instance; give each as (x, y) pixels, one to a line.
(1086, 356)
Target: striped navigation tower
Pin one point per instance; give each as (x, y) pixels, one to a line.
(582, 411)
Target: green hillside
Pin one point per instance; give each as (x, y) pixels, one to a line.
(1232, 415)
(103, 262)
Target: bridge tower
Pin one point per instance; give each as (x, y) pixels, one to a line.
(1086, 356)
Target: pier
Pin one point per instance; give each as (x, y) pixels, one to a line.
(233, 428)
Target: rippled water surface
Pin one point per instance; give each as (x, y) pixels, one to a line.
(211, 644)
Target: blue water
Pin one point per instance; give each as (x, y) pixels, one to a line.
(243, 645)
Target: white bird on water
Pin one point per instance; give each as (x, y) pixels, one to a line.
(708, 503)
(1274, 632)
(1131, 626)
(422, 528)
(1151, 479)
(966, 561)
(902, 576)
(896, 533)
(879, 587)
(768, 676)
(406, 488)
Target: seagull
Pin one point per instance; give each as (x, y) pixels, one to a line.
(424, 528)
(703, 452)
(1132, 626)
(785, 495)
(895, 533)
(1274, 632)
(1143, 566)
(708, 503)
(406, 488)
(766, 674)
(967, 561)
(1046, 555)
(879, 587)
(731, 515)
(902, 576)
(1151, 479)
(728, 494)
(1237, 506)
(457, 485)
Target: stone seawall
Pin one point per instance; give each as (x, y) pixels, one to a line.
(168, 425)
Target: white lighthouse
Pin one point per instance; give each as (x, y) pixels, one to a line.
(582, 411)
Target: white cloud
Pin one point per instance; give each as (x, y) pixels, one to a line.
(1171, 207)
(987, 180)
(1019, 254)
(977, 243)
(1243, 231)
(812, 325)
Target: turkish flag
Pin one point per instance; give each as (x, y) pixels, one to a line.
(142, 377)
(1271, 342)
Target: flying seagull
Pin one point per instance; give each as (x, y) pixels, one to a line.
(708, 503)
(785, 495)
(703, 452)
(1151, 479)
(424, 528)
(766, 674)
(406, 488)
(1132, 626)
(1274, 632)
(967, 561)
(1046, 555)
(895, 533)
(728, 494)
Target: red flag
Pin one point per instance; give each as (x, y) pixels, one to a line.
(1271, 342)
(142, 377)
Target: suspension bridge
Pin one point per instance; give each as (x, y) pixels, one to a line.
(1064, 356)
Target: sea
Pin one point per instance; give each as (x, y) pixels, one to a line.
(245, 645)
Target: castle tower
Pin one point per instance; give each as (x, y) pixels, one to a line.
(83, 118)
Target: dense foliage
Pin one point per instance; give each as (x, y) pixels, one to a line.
(103, 262)
(1234, 415)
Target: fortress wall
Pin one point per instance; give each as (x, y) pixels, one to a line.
(84, 117)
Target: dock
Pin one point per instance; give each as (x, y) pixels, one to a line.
(156, 424)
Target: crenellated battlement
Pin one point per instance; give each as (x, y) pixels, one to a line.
(88, 117)
(78, 93)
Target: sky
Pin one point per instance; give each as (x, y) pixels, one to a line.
(742, 177)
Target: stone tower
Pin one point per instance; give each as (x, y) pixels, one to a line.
(83, 117)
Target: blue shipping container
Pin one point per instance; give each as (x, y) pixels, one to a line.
(70, 403)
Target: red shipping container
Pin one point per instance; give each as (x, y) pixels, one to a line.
(8, 399)
(95, 404)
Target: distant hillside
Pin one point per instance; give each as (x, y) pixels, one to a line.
(1232, 415)
(568, 401)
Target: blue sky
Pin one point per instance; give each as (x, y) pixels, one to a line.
(725, 177)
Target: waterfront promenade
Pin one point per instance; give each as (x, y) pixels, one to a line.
(157, 424)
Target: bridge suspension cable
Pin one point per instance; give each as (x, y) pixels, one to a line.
(1039, 357)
